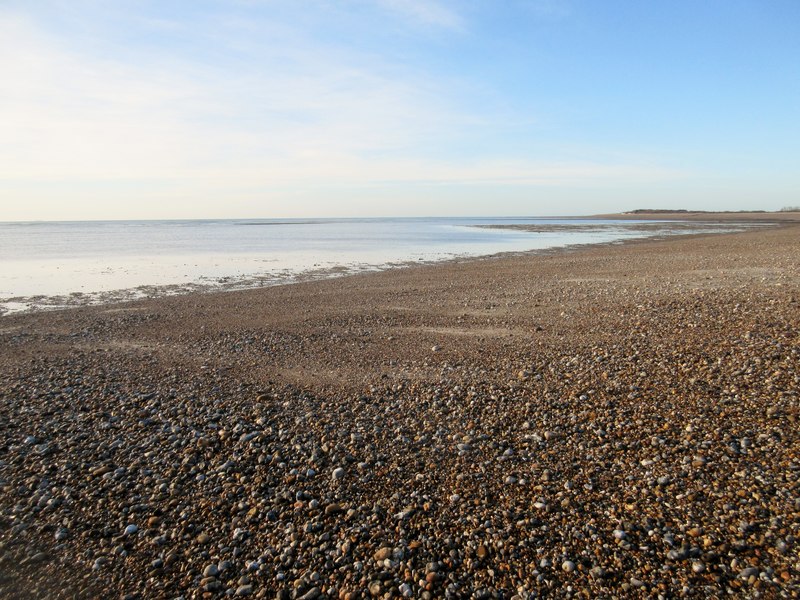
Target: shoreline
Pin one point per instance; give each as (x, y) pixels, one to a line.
(44, 302)
(618, 419)
(708, 216)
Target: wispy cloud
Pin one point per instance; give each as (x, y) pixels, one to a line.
(430, 13)
(71, 115)
(247, 106)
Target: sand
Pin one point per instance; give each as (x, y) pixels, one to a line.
(620, 421)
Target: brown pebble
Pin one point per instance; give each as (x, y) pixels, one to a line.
(383, 553)
(695, 532)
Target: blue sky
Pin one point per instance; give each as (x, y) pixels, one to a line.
(271, 108)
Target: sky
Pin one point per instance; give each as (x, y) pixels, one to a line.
(138, 109)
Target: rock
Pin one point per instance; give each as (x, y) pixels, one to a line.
(244, 590)
(568, 566)
(37, 558)
(597, 572)
(382, 553)
(211, 570)
(210, 584)
(748, 573)
(131, 529)
(224, 565)
(311, 594)
(333, 509)
(375, 588)
(698, 566)
(338, 473)
(695, 532)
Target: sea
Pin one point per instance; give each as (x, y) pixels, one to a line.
(56, 264)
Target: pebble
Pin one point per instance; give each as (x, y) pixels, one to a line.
(382, 554)
(211, 571)
(338, 473)
(333, 509)
(568, 566)
(698, 567)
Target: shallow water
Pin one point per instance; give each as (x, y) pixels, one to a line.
(61, 263)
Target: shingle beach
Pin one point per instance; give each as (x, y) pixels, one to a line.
(611, 421)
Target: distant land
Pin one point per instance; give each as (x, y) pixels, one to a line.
(790, 214)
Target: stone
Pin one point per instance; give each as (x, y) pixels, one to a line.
(382, 553)
(333, 509)
(698, 566)
(211, 571)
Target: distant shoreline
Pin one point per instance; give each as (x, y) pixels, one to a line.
(699, 215)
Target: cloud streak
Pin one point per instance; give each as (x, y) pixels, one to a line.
(426, 12)
(247, 107)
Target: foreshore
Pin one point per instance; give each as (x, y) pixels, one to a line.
(611, 421)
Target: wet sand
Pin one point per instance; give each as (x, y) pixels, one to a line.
(619, 421)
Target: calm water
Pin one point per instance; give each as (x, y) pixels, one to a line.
(58, 263)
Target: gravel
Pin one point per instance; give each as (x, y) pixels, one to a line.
(618, 421)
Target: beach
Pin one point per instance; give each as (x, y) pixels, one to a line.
(617, 420)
